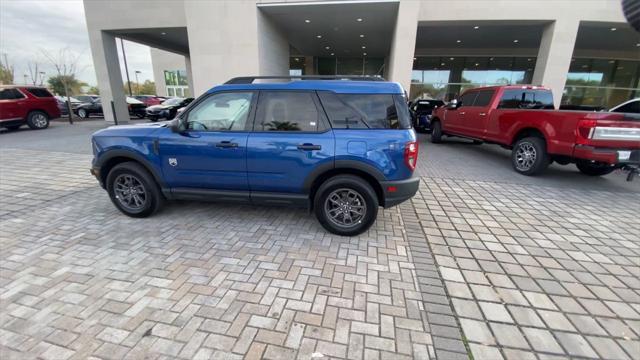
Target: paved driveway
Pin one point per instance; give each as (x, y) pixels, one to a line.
(480, 261)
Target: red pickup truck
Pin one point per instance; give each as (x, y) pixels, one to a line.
(523, 119)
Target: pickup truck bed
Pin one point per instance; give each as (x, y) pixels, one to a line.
(522, 118)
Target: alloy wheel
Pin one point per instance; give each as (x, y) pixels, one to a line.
(40, 120)
(525, 156)
(345, 207)
(130, 192)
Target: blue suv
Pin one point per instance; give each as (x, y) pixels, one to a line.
(341, 148)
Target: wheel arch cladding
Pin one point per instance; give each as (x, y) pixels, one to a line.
(115, 157)
(526, 132)
(321, 178)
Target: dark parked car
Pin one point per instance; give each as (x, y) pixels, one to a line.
(168, 109)
(136, 108)
(62, 104)
(29, 105)
(340, 148)
(421, 113)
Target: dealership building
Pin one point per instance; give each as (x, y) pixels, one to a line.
(583, 50)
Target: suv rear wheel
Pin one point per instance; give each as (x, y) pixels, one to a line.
(38, 120)
(346, 205)
(529, 156)
(133, 190)
(594, 169)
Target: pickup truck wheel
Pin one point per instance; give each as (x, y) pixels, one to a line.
(594, 169)
(529, 156)
(38, 120)
(436, 132)
(346, 205)
(133, 190)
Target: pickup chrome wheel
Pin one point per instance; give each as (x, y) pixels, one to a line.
(346, 205)
(133, 190)
(529, 155)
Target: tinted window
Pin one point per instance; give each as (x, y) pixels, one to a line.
(39, 92)
(467, 99)
(377, 111)
(219, 112)
(526, 99)
(10, 94)
(483, 98)
(630, 108)
(340, 114)
(287, 111)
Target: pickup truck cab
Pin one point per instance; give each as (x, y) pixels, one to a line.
(339, 147)
(523, 119)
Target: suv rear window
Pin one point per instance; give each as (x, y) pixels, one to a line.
(526, 99)
(39, 92)
(373, 111)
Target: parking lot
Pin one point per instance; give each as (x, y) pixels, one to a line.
(482, 262)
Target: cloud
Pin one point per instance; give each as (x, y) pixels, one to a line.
(28, 27)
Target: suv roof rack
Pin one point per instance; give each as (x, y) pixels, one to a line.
(251, 79)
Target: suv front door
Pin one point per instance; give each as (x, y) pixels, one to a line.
(211, 151)
(291, 137)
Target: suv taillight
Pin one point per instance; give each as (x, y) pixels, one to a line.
(584, 131)
(411, 154)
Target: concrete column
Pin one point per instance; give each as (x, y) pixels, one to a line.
(273, 47)
(187, 63)
(554, 56)
(404, 43)
(107, 67)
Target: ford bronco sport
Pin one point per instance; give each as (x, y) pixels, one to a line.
(340, 148)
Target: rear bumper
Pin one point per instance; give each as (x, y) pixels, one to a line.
(398, 191)
(607, 155)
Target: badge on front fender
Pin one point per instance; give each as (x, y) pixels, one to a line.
(173, 161)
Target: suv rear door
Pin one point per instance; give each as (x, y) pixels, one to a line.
(291, 138)
(212, 152)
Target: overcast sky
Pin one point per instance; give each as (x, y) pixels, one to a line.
(29, 26)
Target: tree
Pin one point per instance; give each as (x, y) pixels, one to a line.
(146, 88)
(66, 65)
(34, 74)
(57, 84)
(6, 71)
(93, 90)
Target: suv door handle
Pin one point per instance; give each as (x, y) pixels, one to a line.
(462, 112)
(482, 114)
(226, 144)
(309, 147)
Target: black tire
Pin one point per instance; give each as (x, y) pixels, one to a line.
(340, 184)
(529, 156)
(153, 198)
(140, 116)
(13, 127)
(477, 142)
(38, 120)
(153, 118)
(594, 169)
(83, 113)
(436, 132)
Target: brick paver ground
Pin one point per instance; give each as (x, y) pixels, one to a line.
(497, 268)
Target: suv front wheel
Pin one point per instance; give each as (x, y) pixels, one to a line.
(133, 190)
(346, 205)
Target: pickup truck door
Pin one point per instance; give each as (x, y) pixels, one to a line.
(476, 116)
(455, 118)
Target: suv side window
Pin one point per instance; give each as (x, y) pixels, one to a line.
(468, 98)
(287, 111)
(340, 114)
(227, 111)
(484, 98)
(39, 92)
(377, 111)
(10, 94)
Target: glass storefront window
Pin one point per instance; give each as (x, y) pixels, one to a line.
(348, 66)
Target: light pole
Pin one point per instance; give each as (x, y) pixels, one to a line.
(137, 82)
(126, 69)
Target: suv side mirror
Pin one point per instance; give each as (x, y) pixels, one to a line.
(176, 125)
(453, 105)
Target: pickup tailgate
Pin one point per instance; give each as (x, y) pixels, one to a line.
(608, 137)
